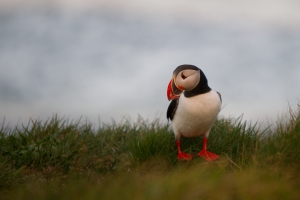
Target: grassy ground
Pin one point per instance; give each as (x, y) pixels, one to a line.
(58, 159)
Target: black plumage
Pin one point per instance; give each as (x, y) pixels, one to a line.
(172, 109)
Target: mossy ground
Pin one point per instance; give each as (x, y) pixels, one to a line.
(59, 159)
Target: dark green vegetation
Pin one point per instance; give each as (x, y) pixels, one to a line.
(58, 159)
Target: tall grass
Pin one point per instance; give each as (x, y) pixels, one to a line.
(64, 159)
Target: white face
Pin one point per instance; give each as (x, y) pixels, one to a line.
(187, 79)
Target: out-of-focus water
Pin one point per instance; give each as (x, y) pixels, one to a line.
(102, 65)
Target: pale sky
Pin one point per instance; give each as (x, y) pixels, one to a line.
(109, 59)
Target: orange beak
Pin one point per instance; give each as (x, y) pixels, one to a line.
(173, 91)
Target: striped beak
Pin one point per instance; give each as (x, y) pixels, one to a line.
(173, 91)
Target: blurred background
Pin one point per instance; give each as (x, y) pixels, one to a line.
(110, 59)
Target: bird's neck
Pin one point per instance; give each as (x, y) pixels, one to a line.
(199, 89)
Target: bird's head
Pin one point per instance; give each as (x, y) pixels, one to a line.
(185, 78)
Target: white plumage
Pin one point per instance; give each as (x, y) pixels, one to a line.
(193, 109)
(196, 115)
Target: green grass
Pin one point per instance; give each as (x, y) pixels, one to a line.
(61, 159)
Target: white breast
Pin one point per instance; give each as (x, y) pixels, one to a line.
(195, 115)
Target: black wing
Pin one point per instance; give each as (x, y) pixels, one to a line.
(220, 96)
(172, 109)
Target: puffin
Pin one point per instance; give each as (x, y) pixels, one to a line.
(193, 109)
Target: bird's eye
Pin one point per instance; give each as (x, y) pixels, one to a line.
(183, 76)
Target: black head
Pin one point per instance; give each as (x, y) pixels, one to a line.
(187, 78)
(202, 86)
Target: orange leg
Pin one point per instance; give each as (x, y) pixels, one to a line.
(208, 156)
(181, 155)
